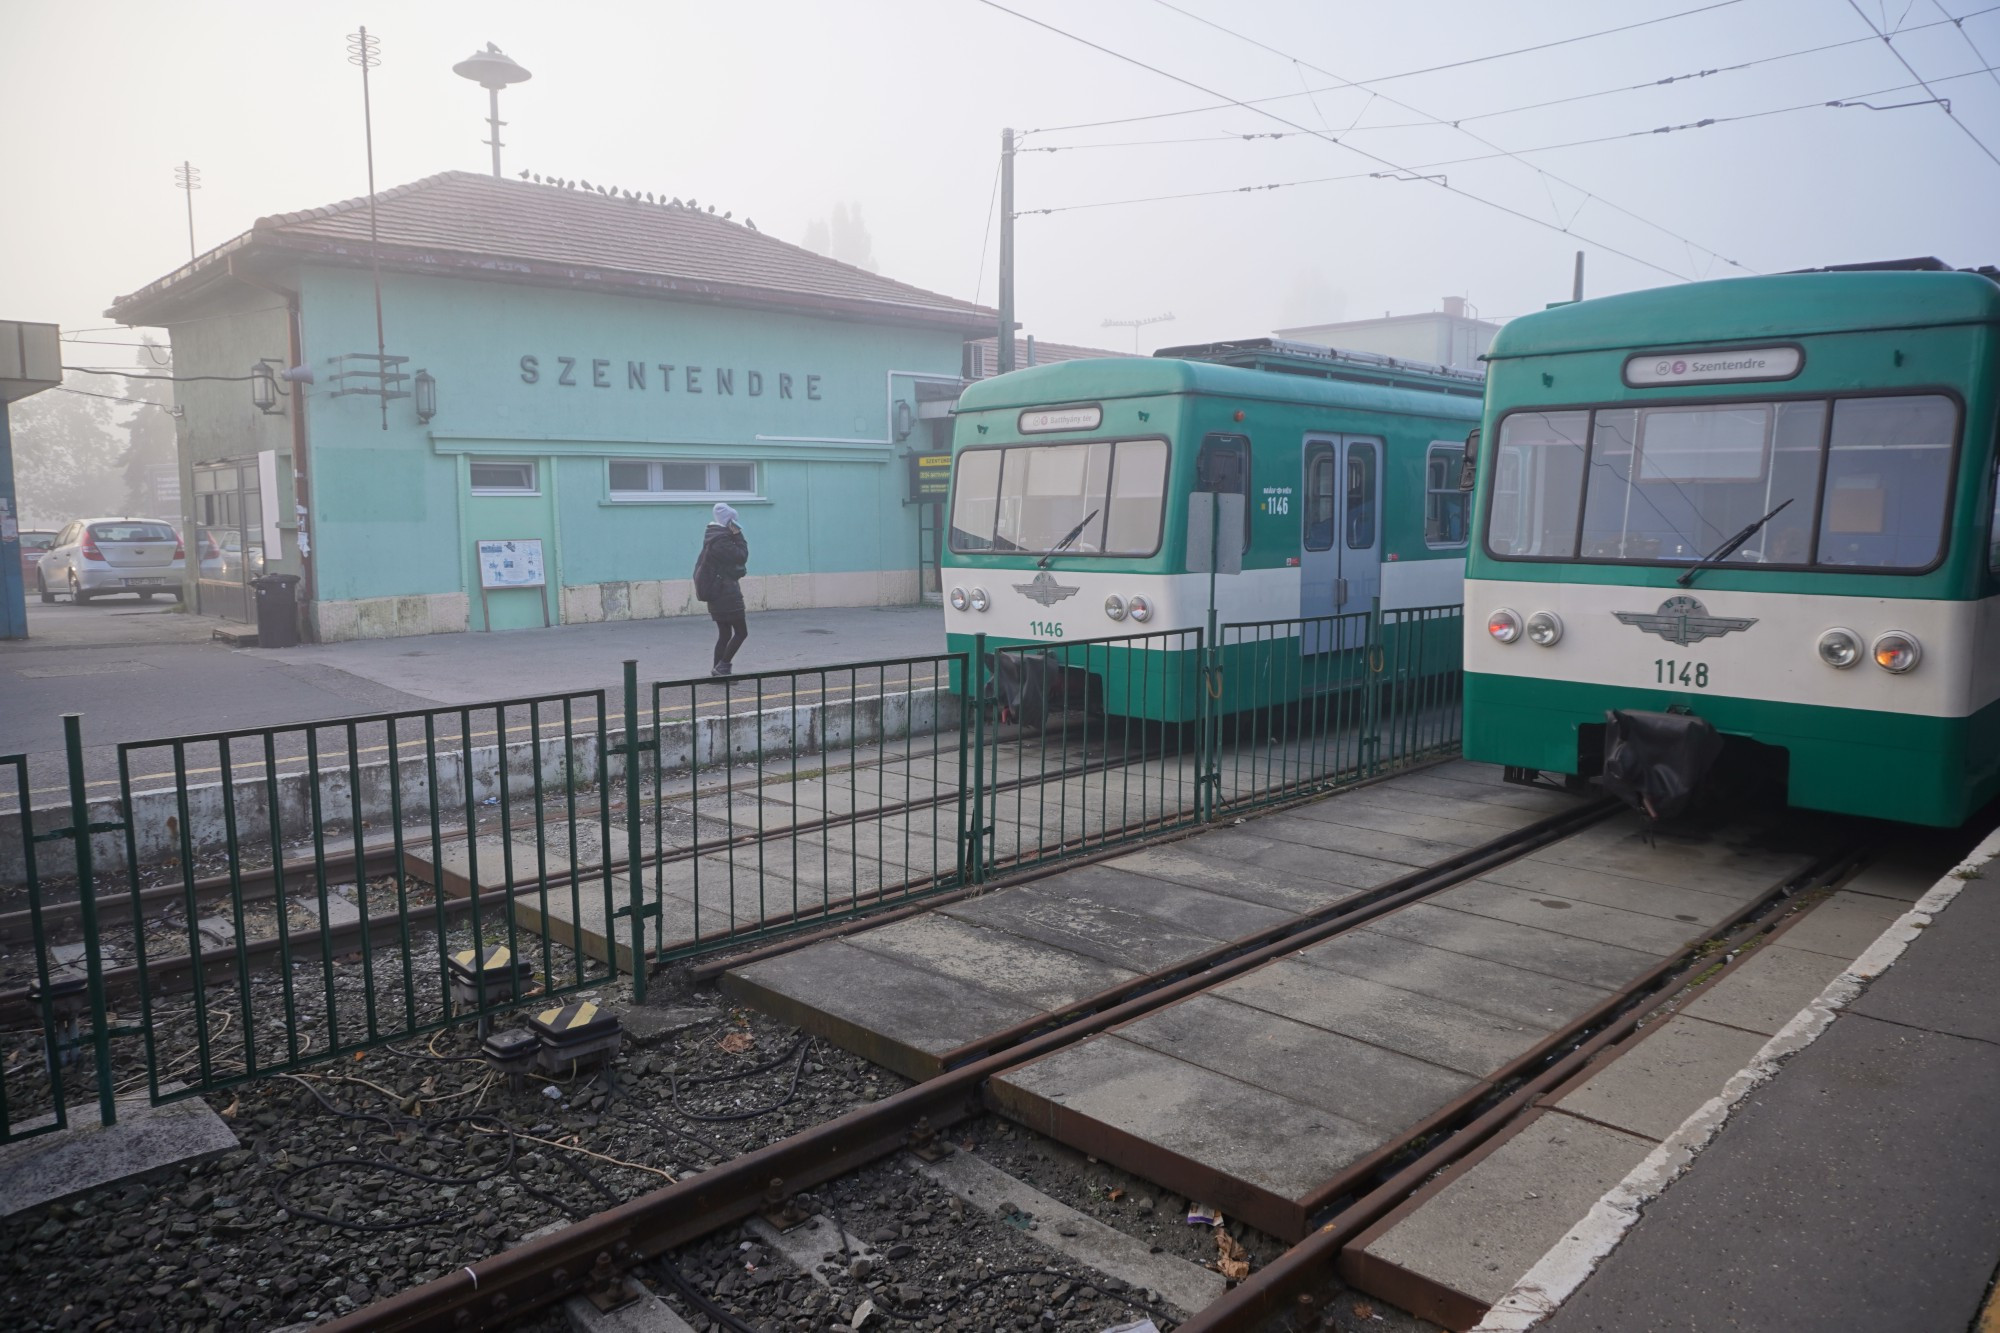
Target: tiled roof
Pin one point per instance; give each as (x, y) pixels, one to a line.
(474, 225)
(985, 354)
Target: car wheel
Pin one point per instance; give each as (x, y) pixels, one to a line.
(42, 587)
(76, 594)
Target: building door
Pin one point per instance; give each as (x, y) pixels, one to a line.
(228, 537)
(511, 499)
(1340, 567)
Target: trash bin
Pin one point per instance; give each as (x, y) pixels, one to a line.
(277, 610)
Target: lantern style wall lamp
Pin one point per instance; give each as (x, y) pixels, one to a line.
(267, 384)
(424, 396)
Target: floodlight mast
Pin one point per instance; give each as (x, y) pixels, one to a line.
(492, 70)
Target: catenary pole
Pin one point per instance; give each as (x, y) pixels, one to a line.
(1006, 251)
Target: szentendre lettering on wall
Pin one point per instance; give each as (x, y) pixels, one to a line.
(571, 372)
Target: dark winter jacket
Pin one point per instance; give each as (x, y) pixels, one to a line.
(718, 573)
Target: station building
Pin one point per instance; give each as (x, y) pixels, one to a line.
(561, 383)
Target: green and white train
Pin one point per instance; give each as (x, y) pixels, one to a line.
(1081, 509)
(1753, 519)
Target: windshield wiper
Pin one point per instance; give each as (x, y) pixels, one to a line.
(1728, 548)
(1068, 537)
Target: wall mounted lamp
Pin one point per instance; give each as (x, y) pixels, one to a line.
(905, 421)
(267, 383)
(424, 395)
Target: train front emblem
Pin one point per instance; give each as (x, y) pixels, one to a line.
(1684, 620)
(1044, 589)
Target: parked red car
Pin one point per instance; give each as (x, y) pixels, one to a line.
(34, 541)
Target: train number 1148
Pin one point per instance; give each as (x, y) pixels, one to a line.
(1667, 671)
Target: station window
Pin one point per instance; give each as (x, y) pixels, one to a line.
(1444, 502)
(682, 479)
(504, 477)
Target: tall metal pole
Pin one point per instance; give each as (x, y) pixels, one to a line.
(362, 50)
(493, 123)
(189, 180)
(1006, 251)
(1576, 287)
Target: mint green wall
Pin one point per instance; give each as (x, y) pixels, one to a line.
(389, 515)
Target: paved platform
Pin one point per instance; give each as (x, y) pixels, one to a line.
(1492, 1227)
(59, 1164)
(1274, 1093)
(1860, 1188)
(906, 993)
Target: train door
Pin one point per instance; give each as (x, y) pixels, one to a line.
(1341, 563)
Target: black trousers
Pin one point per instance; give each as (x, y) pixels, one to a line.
(730, 632)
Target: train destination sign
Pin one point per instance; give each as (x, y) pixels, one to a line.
(1060, 418)
(1654, 369)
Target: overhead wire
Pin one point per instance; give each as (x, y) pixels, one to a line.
(1958, 21)
(1943, 102)
(1373, 157)
(1855, 101)
(1388, 78)
(114, 397)
(1475, 136)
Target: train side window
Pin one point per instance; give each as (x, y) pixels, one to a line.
(1538, 492)
(1993, 533)
(1444, 502)
(1360, 497)
(1319, 502)
(1223, 466)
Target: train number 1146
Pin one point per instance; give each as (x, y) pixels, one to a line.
(1667, 671)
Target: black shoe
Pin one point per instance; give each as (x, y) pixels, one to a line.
(721, 669)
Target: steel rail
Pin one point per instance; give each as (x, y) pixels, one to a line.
(1289, 1282)
(502, 1287)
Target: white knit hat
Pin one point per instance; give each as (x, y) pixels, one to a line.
(724, 515)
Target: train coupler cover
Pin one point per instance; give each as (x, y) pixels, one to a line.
(1655, 762)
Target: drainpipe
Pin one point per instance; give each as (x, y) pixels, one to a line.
(301, 464)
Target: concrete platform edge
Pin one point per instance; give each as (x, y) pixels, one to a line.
(1545, 1286)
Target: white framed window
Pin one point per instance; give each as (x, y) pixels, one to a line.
(681, 479)
(505, 476)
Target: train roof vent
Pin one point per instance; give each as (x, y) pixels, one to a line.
(1921, 264)
(1282, 356)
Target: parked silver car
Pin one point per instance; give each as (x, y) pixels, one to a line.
(95, 557)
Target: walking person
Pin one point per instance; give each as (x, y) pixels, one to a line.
(718, 580)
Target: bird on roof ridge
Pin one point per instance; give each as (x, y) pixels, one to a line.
(748, 223)
(711, 208)
(524, 175)
(727, 216)
(585, 184)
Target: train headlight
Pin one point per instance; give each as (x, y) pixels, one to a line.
(1544, 628)
(1898, 652)
(1140, 609)
(1114, 606)
(1504, 625)
(1839, 648)
(980, 601)
(959, 601)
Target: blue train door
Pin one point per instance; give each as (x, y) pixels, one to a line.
(1340, 565)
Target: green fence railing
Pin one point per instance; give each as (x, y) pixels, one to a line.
(237, 904)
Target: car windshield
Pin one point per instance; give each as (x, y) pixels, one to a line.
(1028, 498)
(131, 532)
(1866, 480)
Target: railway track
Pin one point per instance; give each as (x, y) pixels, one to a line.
(504, 1287)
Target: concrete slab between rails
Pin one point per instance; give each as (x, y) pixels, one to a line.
(1103, 1249)
(63, 1163)
(1476, 1234)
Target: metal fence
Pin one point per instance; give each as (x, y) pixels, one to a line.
(238, 904)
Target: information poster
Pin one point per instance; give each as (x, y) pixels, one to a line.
(511, 563)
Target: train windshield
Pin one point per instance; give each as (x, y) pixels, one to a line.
(1867, 482)
(1028, 498)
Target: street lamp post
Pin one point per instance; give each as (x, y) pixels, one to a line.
(492, 70)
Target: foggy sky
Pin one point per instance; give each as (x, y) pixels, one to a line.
(780, 110)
